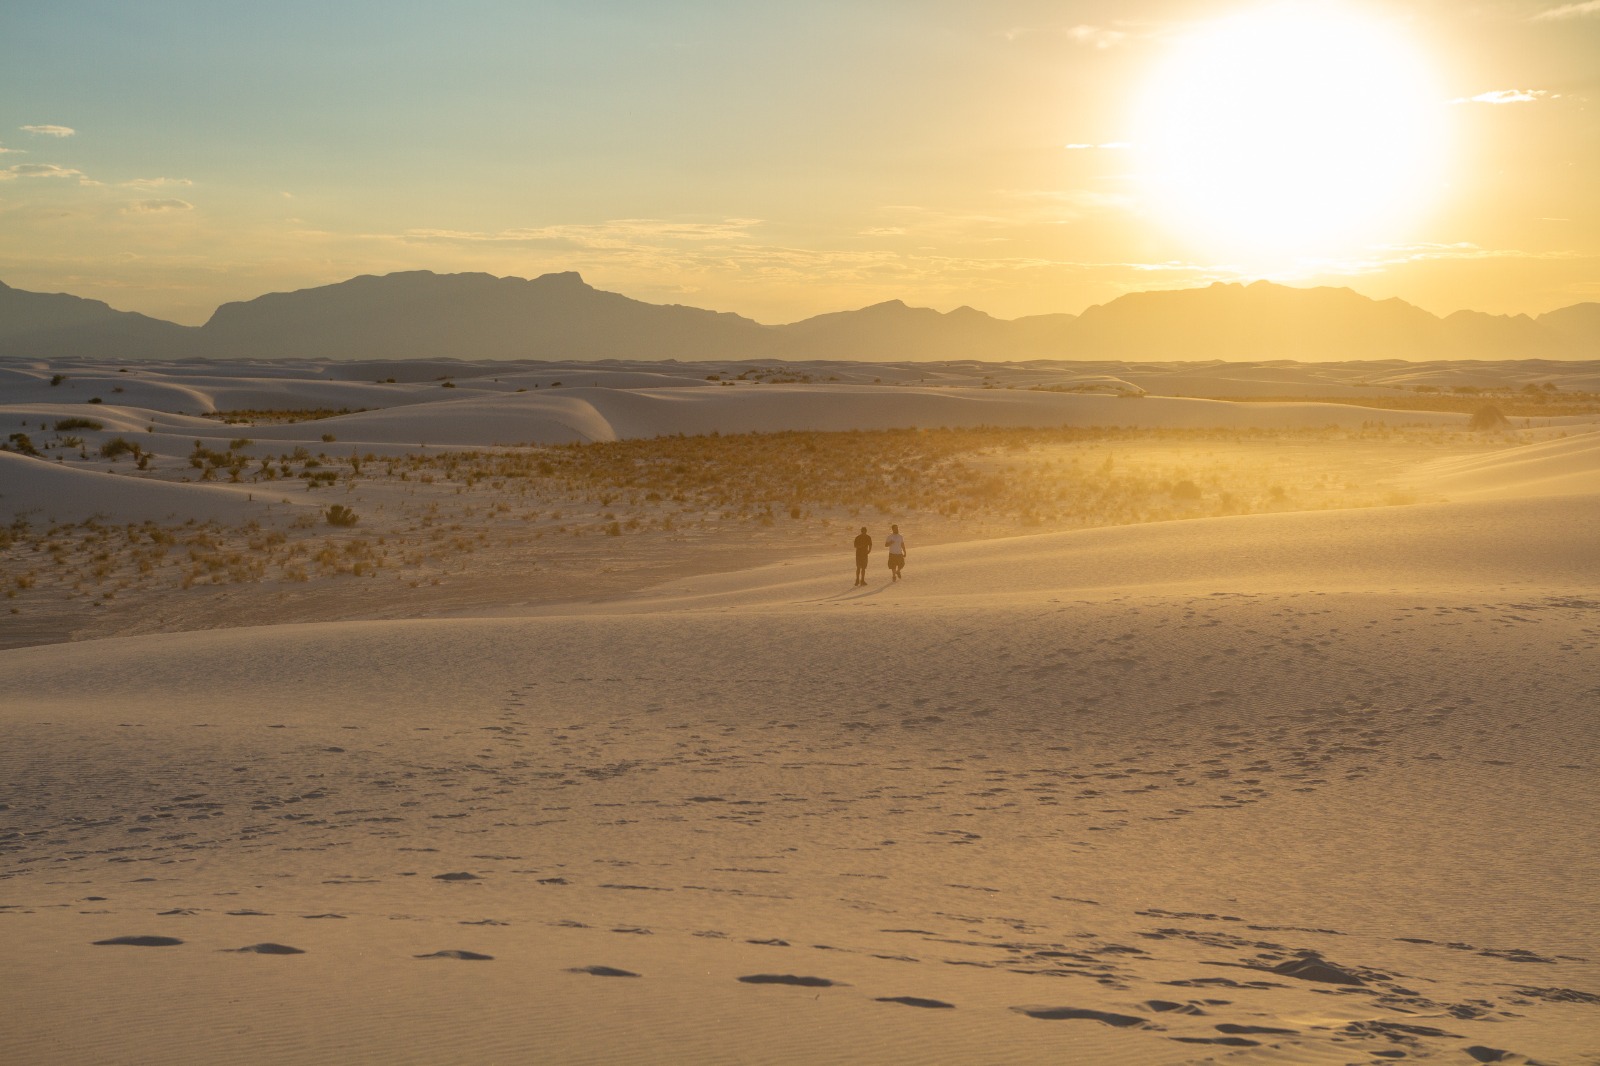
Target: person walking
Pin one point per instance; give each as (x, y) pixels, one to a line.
(863, 549)
(897, 552)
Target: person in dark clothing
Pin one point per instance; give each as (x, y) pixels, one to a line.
(863, 549)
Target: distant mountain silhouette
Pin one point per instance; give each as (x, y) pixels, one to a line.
(421, 315)
(1579, 323)
(55, 326)
(894, 331)
(1257, 321)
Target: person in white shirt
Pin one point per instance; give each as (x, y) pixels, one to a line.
(897, 551)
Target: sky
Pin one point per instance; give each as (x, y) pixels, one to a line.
(784, 160)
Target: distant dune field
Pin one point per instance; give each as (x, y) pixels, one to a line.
(1197, 731)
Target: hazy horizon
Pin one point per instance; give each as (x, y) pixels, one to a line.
(1023, 159)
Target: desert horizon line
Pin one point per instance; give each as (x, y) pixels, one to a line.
(892, 302)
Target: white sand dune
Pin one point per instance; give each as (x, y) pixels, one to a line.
(1288, 788)
(582, 414)
(40, 418)
(1564, 466)
(47, 493)
(1100, 793)
(1503, 544)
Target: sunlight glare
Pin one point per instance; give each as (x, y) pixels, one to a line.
(1299, 129)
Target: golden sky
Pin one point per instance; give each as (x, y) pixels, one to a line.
(782, 160)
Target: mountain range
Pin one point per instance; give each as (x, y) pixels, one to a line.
(419, 314)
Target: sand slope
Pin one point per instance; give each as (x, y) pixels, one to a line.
(1291, 788)
(1566, 465)
(45, 493)
(582, 414)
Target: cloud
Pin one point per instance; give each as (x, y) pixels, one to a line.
(1077, 201)
(1569, 11)
(156, 183)
(155, 207)
(12, 151)
(1506, 96)
(50, 131)
(615, 233)
(37, 170)
(1468, 250)
(1098, 37)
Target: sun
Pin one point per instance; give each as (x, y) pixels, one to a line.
(1300, 129)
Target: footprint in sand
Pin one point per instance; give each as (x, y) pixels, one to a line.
(789, 979)
(1315, 968)
(266, 949)
(603, 971)
(143, 941)
(1121, 1021)
(1225, 1041)
(1482, 1053)
(467, 956)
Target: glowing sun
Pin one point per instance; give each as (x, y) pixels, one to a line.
(1299, 128)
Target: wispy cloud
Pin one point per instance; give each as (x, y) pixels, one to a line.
(12, 151)
(615, 233)
(156, 183)
(51, 131)
(1569, 11)
(1098, 37)
(37, 170)
(1075, 201)
(1507, 96)
(1466, 250)
(1380, 258)
(155, 207)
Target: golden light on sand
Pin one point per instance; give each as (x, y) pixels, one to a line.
(1294, 129)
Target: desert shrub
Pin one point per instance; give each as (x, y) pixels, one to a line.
(340, 515)
(1485, 418)
(65, 425)
(96, 399)
(23, 443)
(1186, 490)
(119, 446)
(328, 438)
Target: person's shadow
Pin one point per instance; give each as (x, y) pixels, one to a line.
(858, 592)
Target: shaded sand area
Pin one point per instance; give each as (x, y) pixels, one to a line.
(1304, 786)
